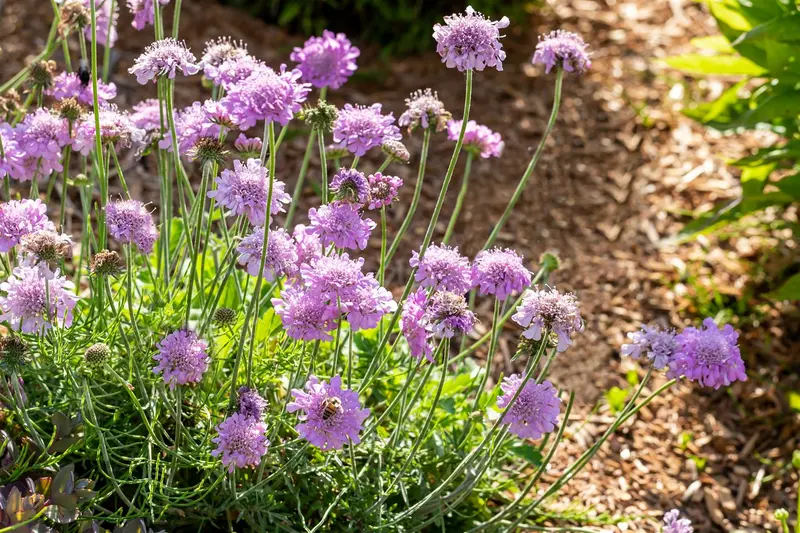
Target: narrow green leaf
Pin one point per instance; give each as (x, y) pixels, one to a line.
(696, 64)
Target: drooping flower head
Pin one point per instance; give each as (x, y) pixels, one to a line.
(709, 356)
(181, 358)
(130, 222)
(143, 12)
(331, 415)
(326, 61)
(217, 52)
(248, 146)
(251, 403)
(396, 150)
(245, 189)
(415, 327)
(657, 344)
(534, 412)
(341, 224)
(19, 218)
(164, 58)
(350, 185)
(36, 298)
(191, 124)
(334, 278)
(673, 523)
(562, 49)
(478, 139)
(382, 190)
(359, 128)
(69, 85)
(266, 95)
(307, 245)
(443, 268)
(548, 309)
(241, 441)
(369, 304)
(470, 41)
(106, 17)
(500, 272)
(116, 127)
(281, 258)
(304, 315)
(449, 314)
(423, 110)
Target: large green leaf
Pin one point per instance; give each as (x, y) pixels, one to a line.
(696, 64)
(755, 178)
(790, 290)
(784, 28)
(790, 185)
(715, 43)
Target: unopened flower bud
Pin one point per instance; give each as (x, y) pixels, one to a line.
(321, 117)
(550, 261)
(97, 354)
(396, 150)
(13, 352)
(225, 316)
(42, 73)
(80, 180)
(70, 109)
(781, 515)
(106, 263)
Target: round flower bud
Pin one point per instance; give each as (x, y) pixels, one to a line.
(106, 263)
(225, 316)
(321, 117)
(42, 73)
(13, 352)
(209, 150)
(97, 354)
(70, 109)
(80, 180)
(781, 515)
(396, 150)
(550, 261)
(796, 459)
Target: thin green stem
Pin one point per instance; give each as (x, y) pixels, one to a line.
(462, 193)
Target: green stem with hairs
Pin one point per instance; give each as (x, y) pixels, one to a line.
(462, 193)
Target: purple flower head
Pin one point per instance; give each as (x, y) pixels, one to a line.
(449, 314)
(415, 326)
(266, 95)
(382, 190)
(305, 316)
(334, 278)
(709, 356)
(164, 58)
(241, 441)
(217, 114)
(116, 127)
(281, 258)
(535, 411)
(248, 146)
(341, 224)
(359, 128)
(41, 136)
(143, 12)
(673, 523)
(478, 139)
(499, 272)
(129, 222)
(234, 71)
(12, 160)
(181, 358)
(191, 124)
(68, 85)
(307, 245)
(35, 297)
(219, 51)
(562, 49)
(368, 305)
(548, 309)
(107, 15)
(251, 404)
(245, 189)
(350, 185)
(470, 41)
(147, 115)
(331, 415)
(442, 268)
(657, 344)
(19, 218)
(326, 61)
(423, 110)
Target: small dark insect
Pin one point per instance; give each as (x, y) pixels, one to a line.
(84, 73)
(330, 407)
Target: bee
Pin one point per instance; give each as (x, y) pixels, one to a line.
(330, 407)
(84, 73)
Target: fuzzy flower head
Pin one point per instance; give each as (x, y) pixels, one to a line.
(46, 246)
(143, 12)
(330, 415)
(41, 136)
(147, 116)
(266, 95)
(191, 124)
(562, 49)
(443, 268)
(217, 52)
(657, 344)
(245, 189)
(234, 71)
(396, 150)
(19, 218)
(415, 327)
(548, 309)
(449, 314)
(69, 85)
(499, 272)
(304, 315)
(326, 61)
(478, 139)
(535, 411)
(334, 277)
(35, 298)
(241, 441)
(341, 224)
(673, 523)
(249, 147)
(251, 403)
(116, 127)
(12, 159)
(423, 110)
(307, 245)
(709, 356)
(359, 128)
(129, 222)
(382, 190)
(350, 185)
(181, 358)
(164, 58)
(370, 303)
(281, 258)
(470, 41)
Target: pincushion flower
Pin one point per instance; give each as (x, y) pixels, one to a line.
(325, 429)
(147, 116)
(251, 403)
(350, 185)
(305, 316)
(12, 158)
(164, 58)
(499, 272)
(562, 49)
(35, 298)
(449, 314)
(307, 245)
(478, 139)
(219, 51)
(241, 441)
(470, 41)
(709, 356)
(657, 344)
(245, 190)
(191, 124)
(341, 224)
(442, 267)
(266, 95)
(334, 278)
(116, 127)
(143, 12)
(534, 412)
(41, 136)
(396, 150)
(46, 246)
(548, 309)
(415, 327)
(382, 190)
(181, 358)
(359, 128)
(673, 523)
(68, 85)
(281, 258)
(234, 71)
(19, 218)
(369, 304)
(326, 61)
(129, 222)
(423, 110)
(107, 13)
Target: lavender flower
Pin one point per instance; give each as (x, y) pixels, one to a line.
(470, 41)
(331, 415)
(326, 61)
(443, 268)
(499, 272)
(245, 189)
(36, 298)
(281, 255)
(143, 12)
(382, 190)
(164, 58)
(69, 85)
(307, 245)
(304, 315)
(562, 49)
(217, 52)
(370, 303)
(248, 146)
(423, 110)
(415, 327)
(449, 314)
(241, 441)
(548, 309)
(147, 116)
(334, 278)
(191, 124)
(129, 222)
(657, 344)
(116, 127)
(359, 128)
(350, 185)
(41, 136)
(19, 218)
(341, 224)
(12, 158)
(478, 139)
(673, 523)
(266, 95)
(251, 403)
(234, 71)
(181, 358)
(535, 411)
(396, 150)
(709, 356)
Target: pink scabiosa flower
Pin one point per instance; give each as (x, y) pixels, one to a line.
(143, 12)
(281, 258)
(116, 127)
(251, 403)
(341, 224)
(500, 272)
(248, 146)
(307, 245)
(164, 58)
(147, 116)
(26, 306)
(359, 128)
(382, 190)
(69, 85)
(305, 316)
(442, 268)
(331, 415)
(423, 110)
(241, 441)
(415, 327)
(191, 124)
(334, 278)
(12, 159)
(478, 139)
(326, 61)
(673, 523)
(41, 136)
(350, 185)
(709, 356)
(245, 189)
(181, 358)
(219, 51)
(449, 314)
(562, 49)
(369, 304)
(534, 412)
(19, 218)
(234, 71)
(547, 309)
(106, 17)
(657, 344)
(266, 95)
(470, 41)
(129, 222)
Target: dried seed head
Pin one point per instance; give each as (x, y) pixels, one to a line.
(13, 352)
(74, 14)
(322, 116)
(397, 151)
(47, 246)
(42, 73)
(106, 263)
(70, 109)
(10, 101)
(97, 354)
(209, 150)
(224, 316)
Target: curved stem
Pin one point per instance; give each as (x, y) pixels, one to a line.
(462, 193)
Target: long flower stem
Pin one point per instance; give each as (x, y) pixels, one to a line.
(462, 193)
(298, 188)
(323, 165)
(199, 229)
